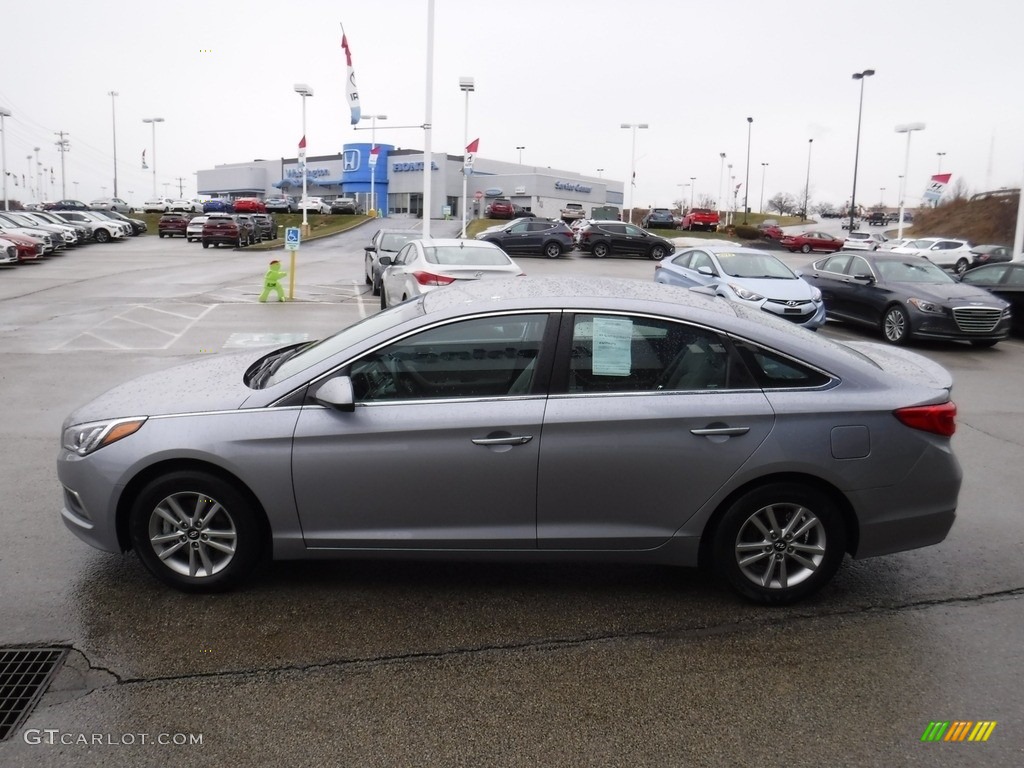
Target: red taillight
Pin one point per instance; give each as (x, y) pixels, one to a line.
(938, 419)
(429, 278)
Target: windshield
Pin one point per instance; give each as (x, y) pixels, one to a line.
(321, 350)
(462, 255)
(921, 271)
(394, 241)
(752, 265)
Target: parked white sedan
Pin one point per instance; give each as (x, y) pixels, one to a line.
(314, 205)
(157, 205)
(423, 265)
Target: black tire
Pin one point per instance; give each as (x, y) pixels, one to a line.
(961, 266)
(600, 250)
(375, 288)
(779, 567)
(383, 298)
(205, 244)
(102, 236)
(895, 325)
(159, 234)
(657, 252)
(552, 250)
(367, 269)
(805, 248)
(213, 516)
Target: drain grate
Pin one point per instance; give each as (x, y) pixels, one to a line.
(24, 675)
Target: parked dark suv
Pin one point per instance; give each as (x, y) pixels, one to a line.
(501, 208)
(532, 236)
(227, 229)
(172, 224)
(602, 238)
(658, 218)
(266, 224)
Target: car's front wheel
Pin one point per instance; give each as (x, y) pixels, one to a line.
(552, 250)
(195, 531)
(205, 244)
(657, 252)
(600, 250)
(780, 543)
(805, 248)
(896, 325)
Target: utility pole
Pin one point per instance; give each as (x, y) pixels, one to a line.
(63, 146)
(181, 187)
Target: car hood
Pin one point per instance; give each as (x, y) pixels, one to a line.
(949, 292)
(774, 289)
(208, 384)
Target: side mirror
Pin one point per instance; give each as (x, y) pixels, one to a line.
(371, 249)
(867, 279)
(705, 270)
(336, 393)
(386, 261)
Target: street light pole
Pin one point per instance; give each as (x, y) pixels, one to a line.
(113, 123)
(682, 196)
(153, 121)
(39, 177)
(693, 185)
(373, 158)
(3, 150)
(732, 184)
(746, 183)
(856, 155)
(807, 184)
(467, 86)
(721, 177)
(599, 172)
(764, 171)
(881, 198)
(908, 129)
(303, 90)
(520, 154)
(632, 167)
(940, 155)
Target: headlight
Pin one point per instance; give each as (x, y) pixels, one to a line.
(927, 306)
(815, 294)
(83, 439)
(745, 294)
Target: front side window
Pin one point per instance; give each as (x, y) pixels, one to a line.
(482, 357)
(613, 353)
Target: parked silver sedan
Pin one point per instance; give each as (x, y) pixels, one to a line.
(424, 265)
(534, 419)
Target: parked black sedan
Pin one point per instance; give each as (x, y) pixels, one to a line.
(989, 254)
(907, 297)
(602, 238)
(1004, 280)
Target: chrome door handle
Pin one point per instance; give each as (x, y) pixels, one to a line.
(517, 440)
(720, 431)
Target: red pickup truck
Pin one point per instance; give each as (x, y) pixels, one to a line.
(700, 218)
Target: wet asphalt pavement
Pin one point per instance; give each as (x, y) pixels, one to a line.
(366, 664)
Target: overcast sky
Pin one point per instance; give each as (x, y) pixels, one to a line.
(557, 78)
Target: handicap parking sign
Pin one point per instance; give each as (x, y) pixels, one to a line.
(291, 238)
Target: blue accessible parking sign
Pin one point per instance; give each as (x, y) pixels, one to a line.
(291, 238)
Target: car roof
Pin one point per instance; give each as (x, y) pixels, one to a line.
(457, 241)
(727, 248)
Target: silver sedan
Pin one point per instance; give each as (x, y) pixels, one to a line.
(531, 419)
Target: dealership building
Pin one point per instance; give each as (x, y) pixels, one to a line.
(392, 182)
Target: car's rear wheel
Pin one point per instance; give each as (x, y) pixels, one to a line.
(600, 250)
(205, 244)
(241, 241)
(657, 252)
(805, 248)
(195, 531)
(961, 266)
(780, 543)
(552, 250)
(896, 325)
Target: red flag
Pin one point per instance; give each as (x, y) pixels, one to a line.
(302, 144)
(474, 145)
(374, 150)
(348, 53)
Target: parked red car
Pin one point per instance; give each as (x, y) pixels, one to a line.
(250, 205)
(501, 208)
(811, 241)
(227, 229)
(29, 247)
(172, 224)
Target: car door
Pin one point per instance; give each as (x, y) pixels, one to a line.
(442, 446)
(518, 239)
(635, 240)
(829, 276)
(394, 277)
(647, 419)
(865, 295)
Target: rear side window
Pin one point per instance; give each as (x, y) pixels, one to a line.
(773, 370)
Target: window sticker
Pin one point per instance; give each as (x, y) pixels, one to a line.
(613, 337)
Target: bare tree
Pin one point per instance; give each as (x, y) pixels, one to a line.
(783, 203)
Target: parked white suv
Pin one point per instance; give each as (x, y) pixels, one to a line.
(942, 251)
(863, 241)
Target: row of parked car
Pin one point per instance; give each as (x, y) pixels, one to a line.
(216, 229)
(28, 235)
